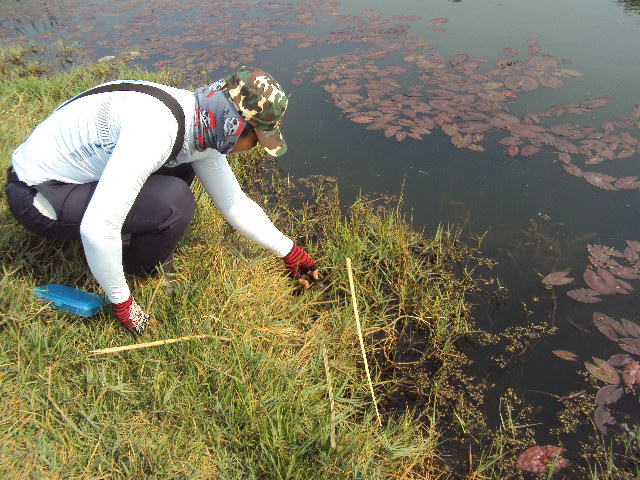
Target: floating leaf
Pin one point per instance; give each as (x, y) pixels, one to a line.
(551, 82)
(565, 158)
(619, 360)
(557, 278)
(631, 345)
(603, 371)
(631, 373)
(608, 326)
(565, 355)
(599, 180)
(625, 272)
(631, 255)
(632, 328)
(603, 254)
(362, 119)
(539, 459)
(601, 281)
(584, 295)
(608, 394)
(521, 82)
(566, 72)
(602, 417)
(634, 245)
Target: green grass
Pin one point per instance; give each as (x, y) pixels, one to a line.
(256, 405)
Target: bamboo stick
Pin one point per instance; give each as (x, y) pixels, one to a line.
(157, 343)
(364, 354)
(330, 388)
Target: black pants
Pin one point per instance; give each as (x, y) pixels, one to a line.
(156, 222)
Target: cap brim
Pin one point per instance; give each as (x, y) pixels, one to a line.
(272, 141)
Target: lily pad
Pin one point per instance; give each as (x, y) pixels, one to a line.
(601, 281)
(631, 345)
(565, 355)
(619, 360)
(603, 371)
(521, 82)
(632, 328)
(557, 278)
(584, 295)
(609, 394)
(602, 417)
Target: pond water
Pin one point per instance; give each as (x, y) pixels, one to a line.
(550, 88)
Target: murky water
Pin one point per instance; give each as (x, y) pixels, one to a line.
(533, 216)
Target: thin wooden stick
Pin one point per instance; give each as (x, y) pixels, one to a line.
(364, 354)
(330, 388)
(157, 343)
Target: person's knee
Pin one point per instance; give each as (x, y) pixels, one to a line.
(179, 201)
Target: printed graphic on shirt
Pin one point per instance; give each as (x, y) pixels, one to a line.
(233, 126)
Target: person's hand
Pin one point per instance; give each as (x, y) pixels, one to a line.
(299, 263)
(131, 315)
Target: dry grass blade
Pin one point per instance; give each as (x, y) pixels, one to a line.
(330, 389)
(157, 343)
(364, 353)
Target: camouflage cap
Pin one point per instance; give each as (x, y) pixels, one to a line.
(262, 103)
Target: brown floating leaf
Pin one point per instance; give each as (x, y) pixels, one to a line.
(631, 345)
(551, 82)
(521, 82)
(565, 355)
(391, 131)
(573, 170)
(599, 180)
(584, 295)
(609, 394)
(631, 255)
(539, 459)
(632, 328)
(602, 417)
(625, 272)
(603, 371)
(603, 254)
(619, 360)
(362, 119)
(557, 278)
(631, 373)
(566, 72)
(608, 326)
(634, 245)
(602, 282)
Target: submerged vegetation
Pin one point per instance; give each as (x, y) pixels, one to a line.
(277, 389)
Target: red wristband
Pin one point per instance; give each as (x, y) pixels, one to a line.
(122, 311)
(297, 261)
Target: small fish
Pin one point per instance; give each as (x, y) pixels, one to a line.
(509, 93)
(573, 395)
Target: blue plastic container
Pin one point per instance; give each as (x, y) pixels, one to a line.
(71, 299)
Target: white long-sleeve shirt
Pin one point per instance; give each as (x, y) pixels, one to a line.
(119, 139)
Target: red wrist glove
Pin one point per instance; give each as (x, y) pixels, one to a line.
(298, 262)
(131, 315)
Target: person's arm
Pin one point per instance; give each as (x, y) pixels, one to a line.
(143, 146)
(248, 218)
(240, 211)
